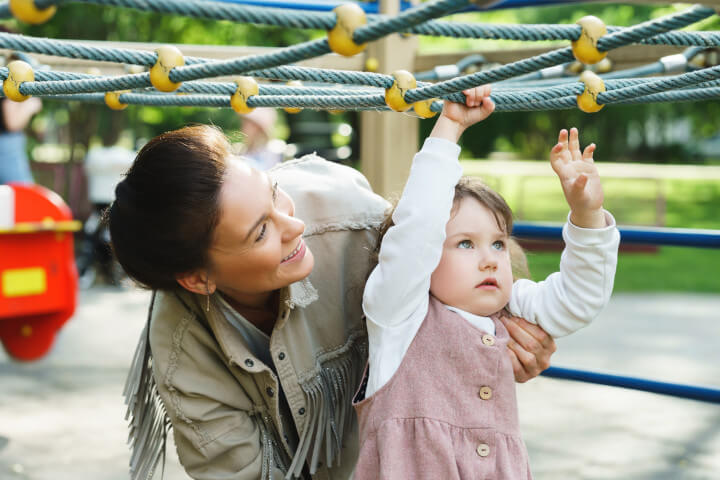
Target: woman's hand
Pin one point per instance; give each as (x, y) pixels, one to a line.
(529, 347)
(456, 117)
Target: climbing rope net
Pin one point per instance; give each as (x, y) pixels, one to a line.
(172, 79)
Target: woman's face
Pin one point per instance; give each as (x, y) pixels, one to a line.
(257, 246)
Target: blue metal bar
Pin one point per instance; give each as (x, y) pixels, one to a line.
(311, 5)
(704, 394)
(684, 237)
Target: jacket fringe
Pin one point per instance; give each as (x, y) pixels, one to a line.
(273, 453)
(329, 392)
(148, 421)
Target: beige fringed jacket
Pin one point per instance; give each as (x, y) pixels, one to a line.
(222, 402)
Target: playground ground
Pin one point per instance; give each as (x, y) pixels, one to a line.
(62, 418)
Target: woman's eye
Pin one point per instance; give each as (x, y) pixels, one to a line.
(261, 235)
(465, 244)
(498, 245)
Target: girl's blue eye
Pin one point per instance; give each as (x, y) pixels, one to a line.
(465, 244)
(498, 245)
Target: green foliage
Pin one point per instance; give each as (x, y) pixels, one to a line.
(631, 133)
(80, 123)
(637, 133)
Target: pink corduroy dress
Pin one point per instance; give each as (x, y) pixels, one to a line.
(450, 410)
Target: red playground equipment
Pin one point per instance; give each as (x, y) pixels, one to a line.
(38, 278)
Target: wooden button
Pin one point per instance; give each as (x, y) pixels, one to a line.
(485, 393)
(488, 340)
(483, 450)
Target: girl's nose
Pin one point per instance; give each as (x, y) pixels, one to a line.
(488, 261)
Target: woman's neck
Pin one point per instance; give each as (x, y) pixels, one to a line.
(261, 314)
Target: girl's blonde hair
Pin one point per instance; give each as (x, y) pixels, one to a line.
(470, 187)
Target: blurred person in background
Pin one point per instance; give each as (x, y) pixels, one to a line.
(104, 167)
(14, 117)
(258, 130)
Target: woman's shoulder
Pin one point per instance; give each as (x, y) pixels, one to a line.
(329, 193)
(175, 325)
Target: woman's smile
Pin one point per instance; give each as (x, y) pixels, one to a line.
(297, 254)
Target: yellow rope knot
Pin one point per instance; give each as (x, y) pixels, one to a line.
(340, 38)
(246, 88)
(293, 83)
(112, 100)
(168, 57)
(422, 108)
(585, 47)
(587, 101)
(395, 95)
(18, 73)
(26, 11)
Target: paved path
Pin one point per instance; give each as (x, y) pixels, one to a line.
(62, 417)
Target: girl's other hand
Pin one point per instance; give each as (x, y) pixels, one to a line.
(530, 348)
(580, 180)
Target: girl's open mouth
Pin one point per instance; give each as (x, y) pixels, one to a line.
(488, 283)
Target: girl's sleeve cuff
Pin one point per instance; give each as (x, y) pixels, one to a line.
(592, 236)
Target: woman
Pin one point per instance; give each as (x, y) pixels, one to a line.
(256, 327)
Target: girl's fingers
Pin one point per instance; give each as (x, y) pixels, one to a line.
(556, 158)
(563, 137)
(486, 90)
(579, 183)
(574, 144)
(474, 97)
(588, 153)
(488, 106)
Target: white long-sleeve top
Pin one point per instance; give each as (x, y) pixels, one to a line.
(396, 295)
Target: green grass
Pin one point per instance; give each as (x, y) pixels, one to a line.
(687, 204)
(671, 269)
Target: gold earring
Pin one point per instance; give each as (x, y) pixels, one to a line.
(207, 289)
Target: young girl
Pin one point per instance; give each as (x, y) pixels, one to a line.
(440, 396)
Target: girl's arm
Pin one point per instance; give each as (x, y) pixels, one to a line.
(396, 294)
(571, 298)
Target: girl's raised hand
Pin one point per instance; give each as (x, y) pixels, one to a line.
(456, 117)
(580, 180)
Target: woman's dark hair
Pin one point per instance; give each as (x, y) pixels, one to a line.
(167, 206)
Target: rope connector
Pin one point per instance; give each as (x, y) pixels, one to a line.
(293, 83)
(423, 108)
(26, 11)
(18, 73)
(112, 100)
(587, 101)
(168, 57)
(246, 88)
(372, 64)
(395, 95)
(585, 47)
(340, 38)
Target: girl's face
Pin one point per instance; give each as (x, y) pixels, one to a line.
(257, 246)
(474, 273)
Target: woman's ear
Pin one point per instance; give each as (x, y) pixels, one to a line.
(196, 281)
